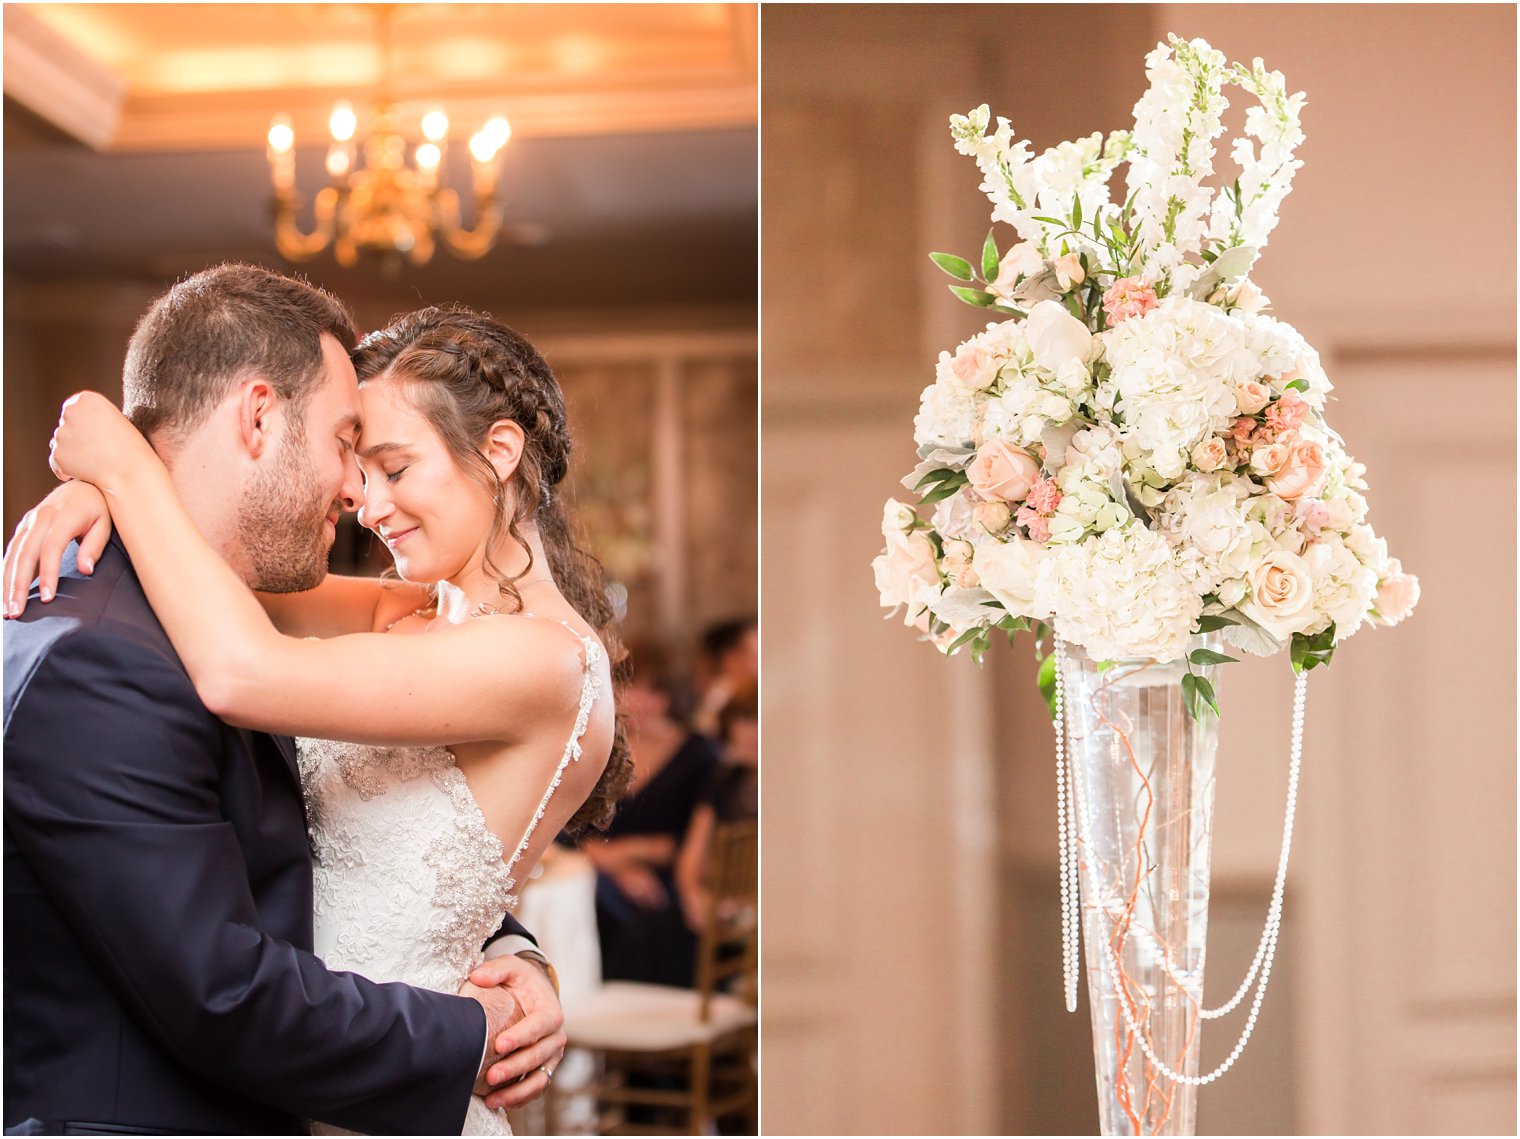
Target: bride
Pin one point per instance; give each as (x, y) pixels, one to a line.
(472, 699)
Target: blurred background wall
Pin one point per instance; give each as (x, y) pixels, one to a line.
(135, 147)
(912, 972)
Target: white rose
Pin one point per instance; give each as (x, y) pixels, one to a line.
(1009, 570)
(906, 573)
(1281, 596)
(1055, 336)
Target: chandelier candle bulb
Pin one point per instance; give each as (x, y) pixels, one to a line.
(343, 121)
(435, 126)
(1133, 460)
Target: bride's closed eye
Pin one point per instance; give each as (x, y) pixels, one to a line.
(396, 474)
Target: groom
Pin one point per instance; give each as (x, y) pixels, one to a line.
(158, 884)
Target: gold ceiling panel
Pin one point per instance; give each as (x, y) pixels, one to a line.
(209, 76)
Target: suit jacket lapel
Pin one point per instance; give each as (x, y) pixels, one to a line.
(287, 748)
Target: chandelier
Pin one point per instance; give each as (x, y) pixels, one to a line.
(384, 205)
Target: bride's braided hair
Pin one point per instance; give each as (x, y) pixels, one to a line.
(466, 371)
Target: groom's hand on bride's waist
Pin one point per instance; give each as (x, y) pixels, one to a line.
(529, 1048)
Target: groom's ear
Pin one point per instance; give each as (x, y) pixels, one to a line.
(503, 447)
(259, 411)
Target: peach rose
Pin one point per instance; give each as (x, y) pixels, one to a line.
(957, 563)
(1397, 594)
(1269, 459)
(1209, 455)
(1280, 597)
(969, 366)
(1002, 472)
(1251, 397)
(1068, 270)
(1304, 473)
(1023, 260)
(993, 517)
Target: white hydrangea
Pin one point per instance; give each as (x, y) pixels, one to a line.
(1283, 355)
(1344, 586)
(1120, 596)
(947, 417)
(1172, 378)
(1205, 518)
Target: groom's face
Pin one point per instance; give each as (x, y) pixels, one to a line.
(289, 512)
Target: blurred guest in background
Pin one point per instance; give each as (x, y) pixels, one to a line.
(730, 662)
(732, 795)
(638, 904)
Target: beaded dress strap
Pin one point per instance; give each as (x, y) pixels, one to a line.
(591, 683)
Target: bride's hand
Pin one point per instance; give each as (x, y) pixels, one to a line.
(95, 442)
(74, 510)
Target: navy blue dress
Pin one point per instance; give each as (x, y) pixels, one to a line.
(655, 945)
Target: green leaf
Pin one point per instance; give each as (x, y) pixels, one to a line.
(957, 267)
(939, 474)
(943, 491)
(968, 635)
(1212, 622)
(1076, 211)
(978, 297)
(1050, 221)
(989, 258)
(1204, 695)
(944, 487)
(1297, 386)
(1105, 665)
(1006, 309)
(1190, 694)
(1047, 682)
(1209, 656)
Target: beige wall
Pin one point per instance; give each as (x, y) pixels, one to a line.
(911, 954)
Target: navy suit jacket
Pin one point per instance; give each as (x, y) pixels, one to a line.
(158, 908)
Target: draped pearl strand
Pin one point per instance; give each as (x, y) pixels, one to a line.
(1266, 948)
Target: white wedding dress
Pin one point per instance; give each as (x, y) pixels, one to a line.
(408, 881)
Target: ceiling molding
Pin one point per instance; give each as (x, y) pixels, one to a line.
(51, 78)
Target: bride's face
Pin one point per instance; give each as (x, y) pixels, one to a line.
(432, 517)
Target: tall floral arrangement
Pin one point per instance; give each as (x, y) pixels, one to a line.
(1136, 450)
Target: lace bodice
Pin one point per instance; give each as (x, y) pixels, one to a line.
(408, 880)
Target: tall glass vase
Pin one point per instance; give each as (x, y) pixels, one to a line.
(1143, 782)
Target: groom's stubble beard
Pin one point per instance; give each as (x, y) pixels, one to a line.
(280, 521)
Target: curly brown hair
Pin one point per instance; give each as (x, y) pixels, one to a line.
(465, 372)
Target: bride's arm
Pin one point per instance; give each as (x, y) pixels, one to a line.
(483, 680)
(77, 510)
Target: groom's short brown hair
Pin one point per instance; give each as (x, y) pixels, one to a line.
(211, 330)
